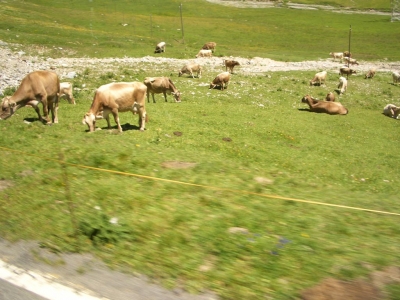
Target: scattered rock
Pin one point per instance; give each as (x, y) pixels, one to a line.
(4, 184)
(178, 165)
(263, 180)
(235, 230)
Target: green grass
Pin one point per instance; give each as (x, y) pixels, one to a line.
(173, 223)
(94, 28)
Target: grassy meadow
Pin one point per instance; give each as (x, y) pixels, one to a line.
(255, 158)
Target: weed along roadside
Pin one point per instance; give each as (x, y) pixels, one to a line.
(240, 192)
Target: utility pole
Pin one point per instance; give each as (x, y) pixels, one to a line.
(348, 61)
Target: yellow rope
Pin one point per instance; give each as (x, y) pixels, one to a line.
(209, 187)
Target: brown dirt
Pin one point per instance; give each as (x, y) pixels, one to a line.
(359, 289)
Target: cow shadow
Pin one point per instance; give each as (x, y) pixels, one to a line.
(125, 127)
(31, 120)
(303, 109)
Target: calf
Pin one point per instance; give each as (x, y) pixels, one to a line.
(204, 53)
(319, 78)
(396, 77)
(335, 55)
(36, 87)
(160, 47)
(342, 86)
(318, 106)
(346, 71)
(191, 68)
(370, 74)
(230, 64)
(66, 91)
(158, 85)
(221, 80)
(209, 46)
(114, 98)
(391, 111)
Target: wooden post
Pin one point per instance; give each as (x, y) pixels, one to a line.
(183, 35)
(348, 61)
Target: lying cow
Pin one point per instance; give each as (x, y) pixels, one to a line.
(328, 107)
(66, 92)
(191, 68)
(209, 46)
(351, 61)
(391, 111)
(160, 47)
(230, 64)
(158, 85)
(342, 86)
(204, 53)
(221, 80)
(346, 71)
(335, 55)
(36, 87)
(319, 78)
(115, 98)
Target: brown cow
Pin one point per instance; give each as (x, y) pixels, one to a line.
(209, 46)
(230, 64)
(222, 80)
(158, 85)
(370, 74)
(114, 98)
(328, 107)
(36, 87)
(191, 68)
(319, 78)
(346, 71)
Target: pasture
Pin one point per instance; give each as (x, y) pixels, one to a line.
(311, 194)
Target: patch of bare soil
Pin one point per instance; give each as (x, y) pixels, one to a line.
(4, 184)
(359, 289)
(178, 165)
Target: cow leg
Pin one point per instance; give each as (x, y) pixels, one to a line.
(54, 109)
(116, 119)
(165, 96)
(43, 99)
(154, 100)
(36, 108)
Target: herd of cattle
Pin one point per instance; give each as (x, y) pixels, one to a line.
(44, 87)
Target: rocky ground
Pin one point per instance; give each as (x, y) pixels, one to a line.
(15, 64)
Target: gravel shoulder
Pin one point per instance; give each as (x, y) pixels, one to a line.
(14, 65)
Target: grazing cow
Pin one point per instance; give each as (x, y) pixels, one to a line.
(204, 53)
(115, 98)
(328, 107)
(36, 87)
(160, 47)
(191, 68)
(158, 85)
(370, 74)
(230, 64)
(221, 80)
(319, 78)
(391, 111)
(330, 97)
(347, 54)
(351, 61)
(346, 71)
(342, 86)
(66, 91)
(335, 55)
(209, 46)
(396, 77)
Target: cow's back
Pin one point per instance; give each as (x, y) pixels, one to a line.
(37, 83)
(122, 95)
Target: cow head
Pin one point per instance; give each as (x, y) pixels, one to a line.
(177, 96)
(8, 108)
(90, 120)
